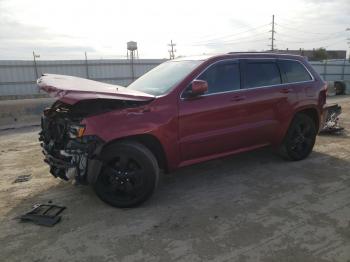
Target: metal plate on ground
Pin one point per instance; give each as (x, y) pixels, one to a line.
(43, 214)
(22, 178)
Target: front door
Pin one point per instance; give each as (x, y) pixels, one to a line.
(207, 123)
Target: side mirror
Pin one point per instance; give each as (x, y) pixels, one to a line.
(198, 87)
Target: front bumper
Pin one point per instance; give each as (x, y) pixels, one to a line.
(66, 165)
(68, 158)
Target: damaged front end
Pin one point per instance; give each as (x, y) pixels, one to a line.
(69, 152)
(64, 145)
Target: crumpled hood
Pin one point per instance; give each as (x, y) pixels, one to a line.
(70, 89)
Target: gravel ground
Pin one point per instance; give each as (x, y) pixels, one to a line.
(249, 207)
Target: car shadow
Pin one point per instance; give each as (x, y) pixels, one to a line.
(215, 181)
(230, 199)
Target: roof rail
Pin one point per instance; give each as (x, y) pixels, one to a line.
(277, 52)
(253, 52)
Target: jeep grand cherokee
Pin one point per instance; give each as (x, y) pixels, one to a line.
(182, 112)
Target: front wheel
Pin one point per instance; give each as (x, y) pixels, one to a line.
(129, 174)
(300, 138)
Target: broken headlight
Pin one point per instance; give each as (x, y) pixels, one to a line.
(76, 131)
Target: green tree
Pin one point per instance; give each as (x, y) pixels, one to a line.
(320, 54)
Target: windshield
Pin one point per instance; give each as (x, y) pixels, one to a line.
(162, 78)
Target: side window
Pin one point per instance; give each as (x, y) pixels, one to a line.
(261, 74)
(293, 71)
(222, 77)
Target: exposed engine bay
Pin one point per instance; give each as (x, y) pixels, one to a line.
(69, 153)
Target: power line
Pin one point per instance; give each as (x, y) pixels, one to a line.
(235, 43)
(233, 40)
(234, 34)
(309, 41)
(172, 50)
(334, 43)
(305, 21)
(285, 43)
(306, 38)
(285, 39)
(303, 31)
(297, 30)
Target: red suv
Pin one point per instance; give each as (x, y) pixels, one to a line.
(182, 112)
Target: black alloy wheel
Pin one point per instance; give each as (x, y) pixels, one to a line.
(300, 138)
(129, 175)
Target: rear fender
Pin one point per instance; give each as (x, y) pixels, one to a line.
(313, 111)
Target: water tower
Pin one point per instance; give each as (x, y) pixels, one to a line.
(132, 53)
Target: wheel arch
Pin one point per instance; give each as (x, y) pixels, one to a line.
(151, 142)
(309, 114)
(312, 113)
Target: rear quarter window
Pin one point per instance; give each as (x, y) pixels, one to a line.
(293, 71)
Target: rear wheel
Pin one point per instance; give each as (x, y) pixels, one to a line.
(129, 175)
(300, 138)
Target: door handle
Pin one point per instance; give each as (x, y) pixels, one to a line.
(286, 90)
(237, 98)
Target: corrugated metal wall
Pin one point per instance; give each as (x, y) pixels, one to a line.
(333, 70)
(19, 77)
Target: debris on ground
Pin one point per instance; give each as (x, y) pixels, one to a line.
(340, 88)
(331, 125)
(22, 178)
(43, 214)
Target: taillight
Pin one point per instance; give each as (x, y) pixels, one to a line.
(324, 93)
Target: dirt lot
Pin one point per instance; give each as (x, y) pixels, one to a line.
(250, 207)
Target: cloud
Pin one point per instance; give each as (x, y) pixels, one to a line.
(19, 40)
(66, 28)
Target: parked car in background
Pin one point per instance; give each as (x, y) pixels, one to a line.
(183, 112)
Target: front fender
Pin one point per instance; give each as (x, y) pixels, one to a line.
(159, 120)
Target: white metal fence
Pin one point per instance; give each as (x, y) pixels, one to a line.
(18, 78)
(333, 70)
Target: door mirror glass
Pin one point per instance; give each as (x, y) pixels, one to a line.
(198, 87)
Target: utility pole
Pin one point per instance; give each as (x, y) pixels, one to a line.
(35, 65)
(86, 66)
(172, 50)
(348, 29)
(273, 34)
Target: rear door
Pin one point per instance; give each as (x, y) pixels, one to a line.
(298, 86)
(268, 102)
(297, 78)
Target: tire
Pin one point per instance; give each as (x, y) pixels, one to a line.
(339, 88)
(128, 176)
(300, 138)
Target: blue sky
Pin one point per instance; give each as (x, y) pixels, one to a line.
(65, 29)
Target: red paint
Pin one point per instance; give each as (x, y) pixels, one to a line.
(207, 127)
